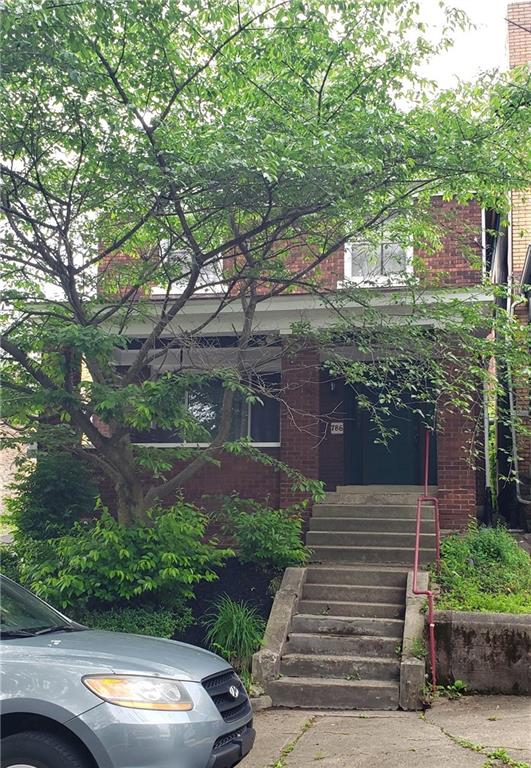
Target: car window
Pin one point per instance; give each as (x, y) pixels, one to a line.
(21, 611)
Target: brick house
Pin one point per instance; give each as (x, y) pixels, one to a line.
(316, 426)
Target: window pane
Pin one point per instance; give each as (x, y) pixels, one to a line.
(204, 404)
(265, 419)
(394, 258)
(365, 259)
(240, 417)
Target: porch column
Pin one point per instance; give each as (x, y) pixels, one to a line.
(458, 479)
(299, 418)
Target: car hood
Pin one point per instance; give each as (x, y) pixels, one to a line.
(119, 652)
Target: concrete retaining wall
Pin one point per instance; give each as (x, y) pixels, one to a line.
(412, 668)
(266, 662)
(490, 652)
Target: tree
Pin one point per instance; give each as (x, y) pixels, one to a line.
(189, 145)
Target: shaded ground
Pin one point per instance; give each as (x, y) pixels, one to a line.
(472, 732)
(242, 582)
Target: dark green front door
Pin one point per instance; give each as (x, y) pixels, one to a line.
(398, 462)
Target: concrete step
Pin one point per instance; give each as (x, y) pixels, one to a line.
(367, 524)
(375, 499)
(392, 489)
(330, 693)
(367, 539)
(346, 625)
(354, 594)
(382, 555)
(358, 610)
(357, 575)
(371, 511)
(342, 645)
(344, 667)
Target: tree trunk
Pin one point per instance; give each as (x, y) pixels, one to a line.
(130, 501)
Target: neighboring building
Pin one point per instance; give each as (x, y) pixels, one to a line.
(512, 267)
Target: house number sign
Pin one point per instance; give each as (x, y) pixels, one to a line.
(336, 428)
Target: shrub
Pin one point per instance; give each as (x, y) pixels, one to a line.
(484, 570)
(235, 631)
(103, 561)
(271, 538)
(138, 620)
(51, 494)
(9, 561)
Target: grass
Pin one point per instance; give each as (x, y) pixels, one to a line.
(235, 631)
(484, 569)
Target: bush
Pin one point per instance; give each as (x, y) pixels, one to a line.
(484, 570)
(138, 620)
(235, 631)
(51, 494)
(9, 561)
(102, 562)
(271, 538)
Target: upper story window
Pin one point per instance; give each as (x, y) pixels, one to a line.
(177, 263)
(377, 263)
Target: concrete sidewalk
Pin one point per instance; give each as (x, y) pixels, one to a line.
(453, 734)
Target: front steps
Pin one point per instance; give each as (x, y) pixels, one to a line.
(344, 641)
(368, 524)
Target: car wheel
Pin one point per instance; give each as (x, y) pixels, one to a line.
(37, 749)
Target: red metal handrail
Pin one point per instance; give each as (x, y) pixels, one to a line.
(423, 500)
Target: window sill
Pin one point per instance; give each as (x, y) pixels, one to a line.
(201, 445)
(398, 281)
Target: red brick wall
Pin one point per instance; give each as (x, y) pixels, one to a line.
(249, 478)
(299, 419)
(297, 256)
(116, 274)
(458, 262)
(457, 475)
(331, 449)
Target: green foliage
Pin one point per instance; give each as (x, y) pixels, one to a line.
(271, 538)
(235, 631)
(218, 127)
(484, 569)
(9, 561)
(138, 620)
(50, 495)
(104, 561)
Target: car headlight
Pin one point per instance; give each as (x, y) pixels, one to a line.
(139, 692)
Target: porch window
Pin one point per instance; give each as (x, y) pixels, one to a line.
(377, 263)
(259, 421)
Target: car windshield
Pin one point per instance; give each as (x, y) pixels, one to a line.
(21, 613)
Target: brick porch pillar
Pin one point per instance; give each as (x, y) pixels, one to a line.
(457, 477)
(299, 418)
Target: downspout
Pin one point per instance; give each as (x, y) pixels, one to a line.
(510, 311)
(486, 426)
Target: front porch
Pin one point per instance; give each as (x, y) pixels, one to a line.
(341, 446)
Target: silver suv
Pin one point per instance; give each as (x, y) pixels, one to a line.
(72, 697)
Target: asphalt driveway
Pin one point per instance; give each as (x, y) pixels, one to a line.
(472, 732)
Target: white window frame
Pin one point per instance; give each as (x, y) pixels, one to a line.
(376, 281)
(207, 275)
